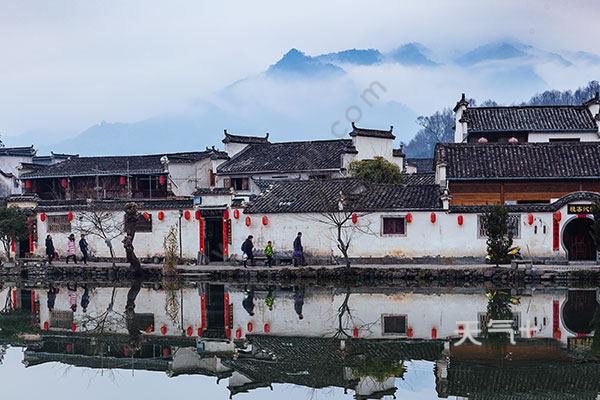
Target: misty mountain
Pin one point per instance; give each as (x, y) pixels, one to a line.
(296, 63)
(353, 56)
(509, 50)
(411, 54)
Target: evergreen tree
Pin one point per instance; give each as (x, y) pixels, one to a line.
(499, 236)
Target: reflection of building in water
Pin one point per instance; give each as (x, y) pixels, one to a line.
(232, 312)
(363, 347)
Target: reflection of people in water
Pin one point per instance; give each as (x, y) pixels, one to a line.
(52, 291)
(270, 300)
(248, 302)
(299, 301)
(72, 289)
(85, 298)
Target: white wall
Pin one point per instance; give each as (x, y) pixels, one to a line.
(582, 136)
(11, 164)
(147, 244)
(370, 147)
(187, 176)
(444, 237)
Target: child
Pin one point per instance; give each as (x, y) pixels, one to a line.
(71, 249)
(269, 253)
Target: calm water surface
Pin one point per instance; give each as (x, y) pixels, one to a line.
(166, 340)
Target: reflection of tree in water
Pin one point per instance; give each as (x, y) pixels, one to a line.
(135, 334)
(107, 321)
(3, 349)
(347, 322)
(172, 301)
(499, 309)
(379, 370)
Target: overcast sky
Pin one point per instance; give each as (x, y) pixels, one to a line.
(66, 65)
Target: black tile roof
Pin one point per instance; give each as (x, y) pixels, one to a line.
(229, 138)
(17, 151)
(529, 119)
(118, 165)
(376, 133)
(419, 179)
(288, 157)
(520, 161)
(323, 195)
(113, 205)
(422, 164)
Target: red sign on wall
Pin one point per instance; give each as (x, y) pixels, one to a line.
(555, 234)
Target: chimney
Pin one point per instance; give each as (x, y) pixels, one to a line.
(460, 128)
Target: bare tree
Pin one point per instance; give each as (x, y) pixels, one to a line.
(132, 217)
(102, 224)
(343, 214)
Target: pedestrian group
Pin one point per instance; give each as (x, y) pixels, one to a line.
(248, 252)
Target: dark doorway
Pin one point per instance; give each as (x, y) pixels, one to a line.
(214, 239)
(578, 240)
(215, 311)
(579, 309)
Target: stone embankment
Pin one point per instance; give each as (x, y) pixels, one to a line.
(432, 275)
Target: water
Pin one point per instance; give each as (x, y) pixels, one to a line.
(161, 340)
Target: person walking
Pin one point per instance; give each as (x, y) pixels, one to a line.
(85, 298)
(83, 246)
(72, 292)
(50, 251)
(269, 253)
(248, 302)
(248, 250)
(71, 252)
(298, 251)
(299, 301)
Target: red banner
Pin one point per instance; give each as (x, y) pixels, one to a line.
(555, 235)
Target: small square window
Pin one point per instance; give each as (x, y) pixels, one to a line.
(394, 324)
(59, 223)
(394, 226)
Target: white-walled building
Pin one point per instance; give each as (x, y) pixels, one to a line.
(550, 123)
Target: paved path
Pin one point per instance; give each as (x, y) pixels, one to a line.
(227, 266)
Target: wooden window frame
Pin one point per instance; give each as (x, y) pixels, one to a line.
(383, 330)
(384, 217)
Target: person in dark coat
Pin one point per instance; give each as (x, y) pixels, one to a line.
(50, 251)
(248, 250)
(248, 302)
(83, 246)
(51, 297)
(85, 298)
(299, 301)
(298, 251)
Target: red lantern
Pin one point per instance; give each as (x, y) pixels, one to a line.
(267, 328)
(354, 218)
(43, 217)
(460, 220)
(122, 180)
(248, 221)
(557, 216)
(162, 180)
(557, 334)
(236, 214)
(161, 215)
(530, 219)
(70, 216)
(434, 333)
(163, 330)
(226, 214)
(187, 215)
(409, 218)
(238, 333)
(250, 327)
(200, 332)
(64, 182)
(228, 332)
(409, 332)
(46, 326)
(198, 215)
(69, 347)
(28, 184)
(265, 220)
(146, 216)
(355, 332)
(166, 352)
(73, 327)
(433, 217)
(189, 331)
